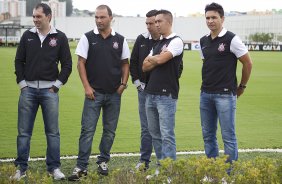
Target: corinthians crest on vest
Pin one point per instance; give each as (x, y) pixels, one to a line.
(221, 47)
(53, 42)
(115, 45)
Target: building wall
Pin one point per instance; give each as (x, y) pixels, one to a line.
(189, 28)
(22, 8)
(246, 25)
(18, 7)
(14, 7)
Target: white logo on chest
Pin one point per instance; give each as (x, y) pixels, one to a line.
(53, 42)
(221, 47)
(115, 45)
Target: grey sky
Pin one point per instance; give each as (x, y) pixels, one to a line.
(178, 7)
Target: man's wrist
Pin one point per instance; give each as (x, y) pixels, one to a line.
(242, 86)
(124, 85)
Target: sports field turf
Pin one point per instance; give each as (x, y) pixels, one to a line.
(259, 112)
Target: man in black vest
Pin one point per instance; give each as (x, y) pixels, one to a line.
(163, 86)
(104, 69)
(141, 49)
(220, 50)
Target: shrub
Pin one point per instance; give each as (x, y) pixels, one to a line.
(259, 170)
(194, 170)
(8, 170)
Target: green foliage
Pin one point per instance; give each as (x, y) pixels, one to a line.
(126, 175)
(264, 169)
(6, 171)
(279, 38)
(92, 177)
(261, 37)
(37, 177)
(195, 169)
(279, 170)
(259, 170)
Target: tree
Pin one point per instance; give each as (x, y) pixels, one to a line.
(261, 37)
(279, 38)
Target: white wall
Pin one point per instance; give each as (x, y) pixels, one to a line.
(189, 28)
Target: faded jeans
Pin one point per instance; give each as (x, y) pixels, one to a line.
(161, 111)
(222, 107)
(29, 101)
(146, 146)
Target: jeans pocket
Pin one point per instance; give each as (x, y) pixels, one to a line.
(24, 91)
(24, 88)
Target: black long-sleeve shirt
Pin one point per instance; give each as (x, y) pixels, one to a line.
(39, 61)
(141, 49)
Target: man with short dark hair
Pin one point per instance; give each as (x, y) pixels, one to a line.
(41, 49)
(220, 50)
(103, 69)
(141, 49)
(162, 89)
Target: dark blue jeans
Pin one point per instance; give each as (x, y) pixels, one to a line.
(110, 105)
(29, 101)
(146, 146)
(222, 107)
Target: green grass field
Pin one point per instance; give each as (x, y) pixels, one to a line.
(259, 110)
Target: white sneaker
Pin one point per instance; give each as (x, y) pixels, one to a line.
(57, 174)
(157, 172)
(18, 176)
(223, 181)
(207, 179)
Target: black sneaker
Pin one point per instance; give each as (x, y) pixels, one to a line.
(77, 174)
(103, 168)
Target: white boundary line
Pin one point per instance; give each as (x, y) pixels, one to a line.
(138, 154)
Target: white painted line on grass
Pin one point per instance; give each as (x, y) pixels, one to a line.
(138, 154)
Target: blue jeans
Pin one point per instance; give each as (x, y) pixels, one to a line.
(29, 101)
(160, 111)
(110, 105)
(146, 146)
(222, 107)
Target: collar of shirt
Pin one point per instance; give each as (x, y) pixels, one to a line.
(97, 32)
(52, 30)
(221, 34)
(147, 35)
(168, 37)
(41, 36)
